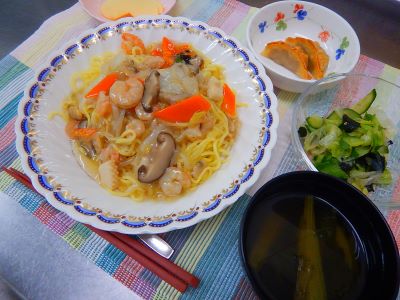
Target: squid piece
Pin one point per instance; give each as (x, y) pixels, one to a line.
(108, 173)
(177, 82)
(215, 89)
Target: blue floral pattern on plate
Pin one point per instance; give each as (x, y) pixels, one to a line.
(301, 14)
(262, 26)
(343, 45)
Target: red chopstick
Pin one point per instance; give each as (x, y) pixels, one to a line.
(19, 176)
(162, 267)
(142, 259)
(162, 261)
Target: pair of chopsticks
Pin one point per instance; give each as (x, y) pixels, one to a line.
(171, 273)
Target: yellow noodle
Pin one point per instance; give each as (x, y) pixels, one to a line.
(126, 138)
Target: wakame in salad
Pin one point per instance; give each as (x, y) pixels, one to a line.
(350, 143)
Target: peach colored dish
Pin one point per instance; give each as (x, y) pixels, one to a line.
(93, 8)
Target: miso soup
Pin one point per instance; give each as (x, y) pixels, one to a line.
(300, 247)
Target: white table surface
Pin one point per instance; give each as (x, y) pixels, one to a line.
(40, 265)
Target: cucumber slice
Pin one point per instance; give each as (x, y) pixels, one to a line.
(364, 104)
(353, 141)
(315, 121)
(334, 118)
(382, 150)
(351, 113)
(360, 151)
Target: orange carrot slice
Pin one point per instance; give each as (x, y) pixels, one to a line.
(168, 51)
(183, 110)
(103, 86)
(156, 52)
(229, 103)
(168, 47)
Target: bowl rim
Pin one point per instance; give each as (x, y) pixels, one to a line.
(347, 69)
(98, 219)
(369, 205)
(299, 149)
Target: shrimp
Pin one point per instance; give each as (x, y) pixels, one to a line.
(126, 69)
(146, 62)
(198, 168)
(137, 126)
(197, 131)
(130, 41)
(207, 124)
(103, 105)
(126, 94)
(174, 181)
(232, 126)
(192, 133)
(142, 75)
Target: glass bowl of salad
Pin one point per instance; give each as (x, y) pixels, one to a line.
(352, 131)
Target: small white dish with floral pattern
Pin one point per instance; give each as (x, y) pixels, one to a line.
(283, 19)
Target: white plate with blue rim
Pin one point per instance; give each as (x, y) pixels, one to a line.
(280, 20)
(46, 153)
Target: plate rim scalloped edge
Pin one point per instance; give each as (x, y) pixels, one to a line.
(118, 227)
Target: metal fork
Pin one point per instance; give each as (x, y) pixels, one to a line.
(157, 244)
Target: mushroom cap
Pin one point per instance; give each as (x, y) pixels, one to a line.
(153, 166)
(151, 91)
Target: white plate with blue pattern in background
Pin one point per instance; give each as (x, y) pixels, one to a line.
(46, 153)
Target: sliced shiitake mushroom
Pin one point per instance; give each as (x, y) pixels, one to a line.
(151, 91)
(88, 148)
(153, 166)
